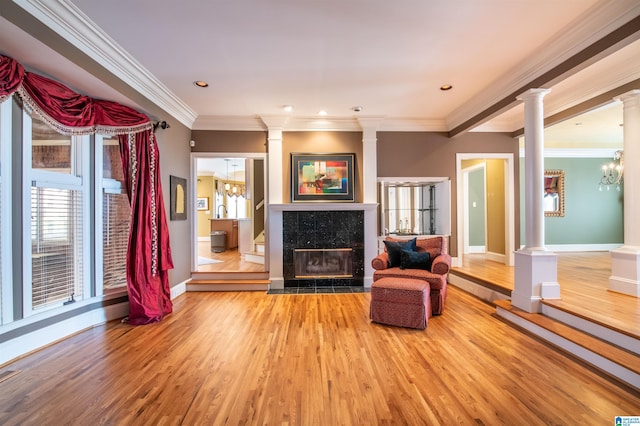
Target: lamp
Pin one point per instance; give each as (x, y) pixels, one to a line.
(226, 184)
(234, 190)
(612, 173)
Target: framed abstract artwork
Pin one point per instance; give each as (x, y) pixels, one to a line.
(322, 178)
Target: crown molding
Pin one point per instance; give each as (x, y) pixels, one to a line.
(306, 124)
(599, 21)
(237, 123)
(73, 25)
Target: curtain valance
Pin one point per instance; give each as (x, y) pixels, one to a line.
(68, 112)
(149, 251)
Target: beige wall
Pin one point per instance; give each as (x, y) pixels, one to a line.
(229, 141)
(320, 142)
(173, 144)
(400, 154)
(433, 154)
(205, 189)
(495, 206)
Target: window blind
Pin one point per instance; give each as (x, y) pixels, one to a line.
(116, 214)
(56, 236)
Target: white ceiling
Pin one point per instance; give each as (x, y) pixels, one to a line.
(390, 58)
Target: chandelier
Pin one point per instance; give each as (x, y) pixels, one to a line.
(612, 173)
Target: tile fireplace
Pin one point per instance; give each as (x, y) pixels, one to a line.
(314, 245)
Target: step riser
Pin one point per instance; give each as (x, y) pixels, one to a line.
(227, 287)
(615, 370)
(603, 333)
(200, 276)
(478, 290)
(248, 257)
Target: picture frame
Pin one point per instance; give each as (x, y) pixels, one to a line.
(178, 198)
(322, 177)
(202, 203)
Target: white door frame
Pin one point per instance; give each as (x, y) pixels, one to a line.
(193, 193)
(509, 202)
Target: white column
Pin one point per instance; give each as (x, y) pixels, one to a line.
(536, 269)
(275, 169)
(369, 159)
(625, 261)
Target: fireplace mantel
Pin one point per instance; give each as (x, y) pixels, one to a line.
(323, 206)
(276, 234)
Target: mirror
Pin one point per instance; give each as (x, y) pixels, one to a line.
(554, 193)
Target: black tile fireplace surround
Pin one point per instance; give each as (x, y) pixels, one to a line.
(323, 230)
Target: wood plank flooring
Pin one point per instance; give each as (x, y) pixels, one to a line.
(583, 279)
(252, 358)
(231, 261)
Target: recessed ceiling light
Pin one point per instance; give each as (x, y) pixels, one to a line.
(446, 87)
(357, 108)
(287, 108)
(322, 112)
(201, 83)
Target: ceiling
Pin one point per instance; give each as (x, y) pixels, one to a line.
(388, 58)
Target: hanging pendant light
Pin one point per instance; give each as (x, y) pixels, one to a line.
(235, 189)
(226, 185)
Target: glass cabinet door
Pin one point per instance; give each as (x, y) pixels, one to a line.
(413, 207)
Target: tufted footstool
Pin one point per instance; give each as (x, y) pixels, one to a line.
(403, 302)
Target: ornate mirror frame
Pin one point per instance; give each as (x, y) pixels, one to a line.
(554, 193)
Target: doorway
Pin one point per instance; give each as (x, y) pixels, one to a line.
(497, 221)
(228, 218)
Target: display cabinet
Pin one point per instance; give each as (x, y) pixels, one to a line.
(414, 206)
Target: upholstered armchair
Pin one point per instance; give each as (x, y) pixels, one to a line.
(424, 259)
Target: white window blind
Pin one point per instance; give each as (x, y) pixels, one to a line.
(116, 214)
(56, 236)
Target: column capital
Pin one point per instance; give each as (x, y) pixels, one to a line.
(533, 93)
(627, 96)
(275, 122)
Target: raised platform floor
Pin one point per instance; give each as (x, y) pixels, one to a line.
(590, 322)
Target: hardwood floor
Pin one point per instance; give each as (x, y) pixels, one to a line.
(583, 279)
(230, 261)
(252, 358)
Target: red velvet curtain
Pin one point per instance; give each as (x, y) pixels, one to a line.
(149, 251)
(149, 293)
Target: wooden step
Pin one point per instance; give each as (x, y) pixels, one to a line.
(616, 362)
(228, 285)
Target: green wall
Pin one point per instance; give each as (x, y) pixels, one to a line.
(476, 214)
(591, 216)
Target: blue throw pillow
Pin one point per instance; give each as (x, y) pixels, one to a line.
(395, 248)
(415, 260)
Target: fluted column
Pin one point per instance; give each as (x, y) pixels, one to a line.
(536, 269)
(625, 261)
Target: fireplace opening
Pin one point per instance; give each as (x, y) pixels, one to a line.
(323, 263)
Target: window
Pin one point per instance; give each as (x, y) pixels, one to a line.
(116, 215)
(58, 223)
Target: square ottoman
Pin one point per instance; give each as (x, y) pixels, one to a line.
(402, 302)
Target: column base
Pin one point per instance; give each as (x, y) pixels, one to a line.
(536, 278)
(625, 270)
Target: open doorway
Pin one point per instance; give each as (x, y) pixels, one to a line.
(229, 212)
(488, 226)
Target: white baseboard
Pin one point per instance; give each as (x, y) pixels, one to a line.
(178, 289)
(495, 257)
(475, 249)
